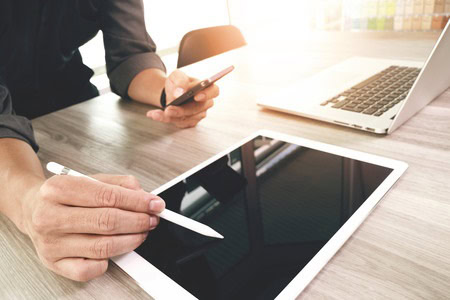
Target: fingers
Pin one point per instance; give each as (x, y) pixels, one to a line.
(107, 221)
(82, 192)
(191, 121)
(208, 93)
(80, 269)
(76, 224)
(174, 114)
(189, 109)
(182, 122)
(85, 257)
(93, 246)
(178, 89)
(189, 114)
(177, 83)
(126, 181)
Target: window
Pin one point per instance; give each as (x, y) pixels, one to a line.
(167, 21)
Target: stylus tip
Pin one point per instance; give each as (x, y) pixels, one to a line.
(215, 234)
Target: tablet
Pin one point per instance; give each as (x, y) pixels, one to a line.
(285, 206)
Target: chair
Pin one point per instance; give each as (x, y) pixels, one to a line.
(202, 43)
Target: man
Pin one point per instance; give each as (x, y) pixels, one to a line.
(77, 224)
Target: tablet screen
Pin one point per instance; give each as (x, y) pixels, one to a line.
(276, 203)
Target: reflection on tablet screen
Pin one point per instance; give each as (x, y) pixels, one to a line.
(276, 203)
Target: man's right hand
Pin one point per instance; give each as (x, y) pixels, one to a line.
(76, 224)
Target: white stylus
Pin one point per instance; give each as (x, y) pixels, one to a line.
(166, 214)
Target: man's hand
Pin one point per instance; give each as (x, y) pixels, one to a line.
(189, 114)
(76, 224)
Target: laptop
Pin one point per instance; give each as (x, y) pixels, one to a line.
(370, 94)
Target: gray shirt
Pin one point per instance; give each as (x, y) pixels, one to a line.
(41, 69)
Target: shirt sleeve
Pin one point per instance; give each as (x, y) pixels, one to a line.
(12, 125)
(128, 47)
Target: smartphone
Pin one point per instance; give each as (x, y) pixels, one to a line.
(189, 95)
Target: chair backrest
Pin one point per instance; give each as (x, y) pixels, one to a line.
(202, 43)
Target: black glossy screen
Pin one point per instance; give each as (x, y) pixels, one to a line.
(277, 204)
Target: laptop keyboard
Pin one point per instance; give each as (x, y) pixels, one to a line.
(377, 94)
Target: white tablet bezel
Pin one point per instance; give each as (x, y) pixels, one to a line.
(160, 286)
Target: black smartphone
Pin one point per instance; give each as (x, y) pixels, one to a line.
(189, 95)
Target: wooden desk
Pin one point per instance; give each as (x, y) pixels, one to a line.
(402, 249)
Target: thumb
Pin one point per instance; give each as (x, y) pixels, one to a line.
(177, 84)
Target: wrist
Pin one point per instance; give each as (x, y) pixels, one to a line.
(20, 212)
(21, 175)
(147, 87)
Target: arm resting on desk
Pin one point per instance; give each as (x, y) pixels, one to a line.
(75, 224)
(20, 175)
(136, 71)
(147, 86)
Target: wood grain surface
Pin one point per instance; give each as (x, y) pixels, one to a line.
(402, 250)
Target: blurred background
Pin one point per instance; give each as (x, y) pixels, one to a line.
(261, 20)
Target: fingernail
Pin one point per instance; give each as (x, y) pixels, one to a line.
(156, 204)
(200, 96)
(145, 235)
(178, 92)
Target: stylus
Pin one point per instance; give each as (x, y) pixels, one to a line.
(166, 214)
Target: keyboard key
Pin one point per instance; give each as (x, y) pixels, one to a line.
(390, 98)
(368, 81)
(351, 105)
(354, 109)
(341, 104)
(369, 111)
(378, 93)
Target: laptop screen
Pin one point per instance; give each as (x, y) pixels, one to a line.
(276, 203)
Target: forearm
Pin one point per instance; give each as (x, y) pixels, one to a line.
(20, 174)
(146, 87)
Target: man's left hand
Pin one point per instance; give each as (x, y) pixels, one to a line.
(189, 114)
